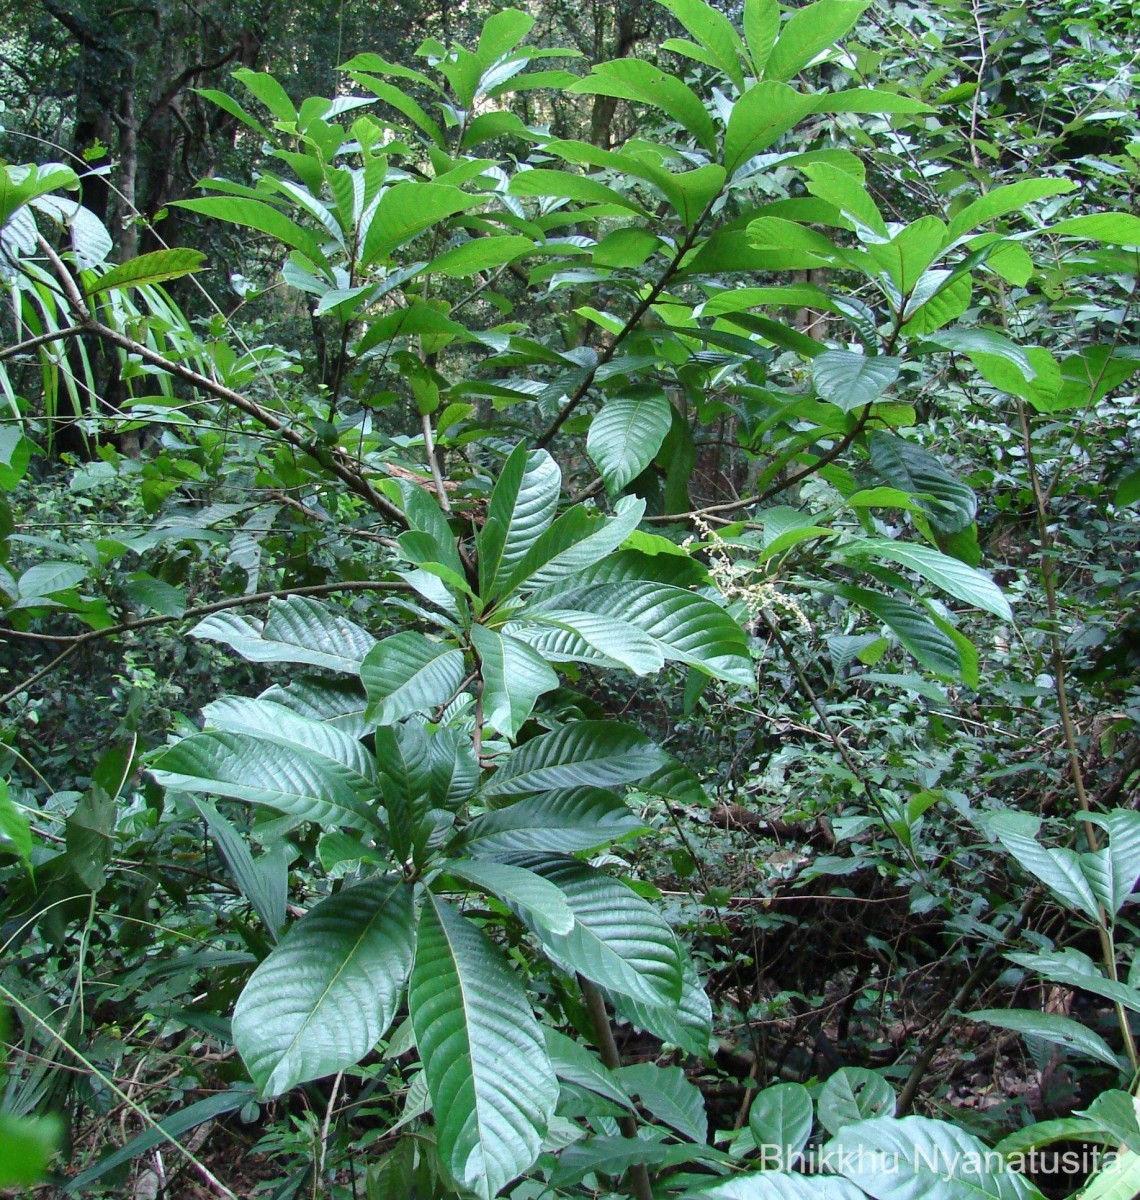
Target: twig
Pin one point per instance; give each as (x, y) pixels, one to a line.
(75, 641)
(638, 1176)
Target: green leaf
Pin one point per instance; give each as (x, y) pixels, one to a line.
(618, 940)
(686, 627)
(636, 79)
(687, 1024)
(15, 832)
(479, 254)
(778, 1185)
(297, 630)
(156, 267)
(26, 1147)
(1116, 228)
(714, 31)
(582, 754)
(1053, 1028)
(405, 210)
(1058, 869)
(572, 635)
(669, 1096)
(1012, 197)
(847, 192)
(1076, 970)
(952, 576)
(850, 380)
(409, 673)
(950, 505)
(853, 1094)
(541, 900)
(575, 541)
(575, 1064)
(565, 821)
(932, 1159)
(761, 27)
(275, 723)
(1120, 1181)
(781, 1118)
(627, 433)
(326, 994)
(563, 185)
(809, 30)
(762, 115)
(404, 765)
(295, 782)
(264, 881)
(256, 214)
(269, 92)
(522, 506)
(492, 1087)
(1118, 864)
(514, 676)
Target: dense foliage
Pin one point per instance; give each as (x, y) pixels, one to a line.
(568, 611)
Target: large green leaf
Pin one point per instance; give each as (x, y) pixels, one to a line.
(1058, 868)
(931, 646)
(564, 821)
(409, 673)
(853, 1094)
(326, 994)
(492, 1087)
(295, 782)
(522, 506)
(780, 1120)
(570, 635)
(950, 504)
(297, 629)
(669, 1096)
(1076, 970)
(404, 767)
(809, 30)
(1053, 1028)
(777, 1185)
(256, 214)
(542, 900)
(1013, 197)
(1119, 1181)
(156, 267)
(407, 209)
(852, 381)
(514, 676)
(274, 722)
(564, 186)
(582, 754)
(264, 881)
(636, 79)
(915, 1158)
(1114, 870)
(686, 627)
(686, 1024)
(618, 940)
(952, 576)
(715, 34)
(575, 541)
(762, 115)
(626, 435)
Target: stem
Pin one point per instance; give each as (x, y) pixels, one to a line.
(639, 1185)
(635, 319)
(332, 459)
(433, 463)
(1072, 751)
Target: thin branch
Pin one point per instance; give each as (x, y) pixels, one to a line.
(609, 351)
(333, 459)
(75, 641)
(55, 336)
